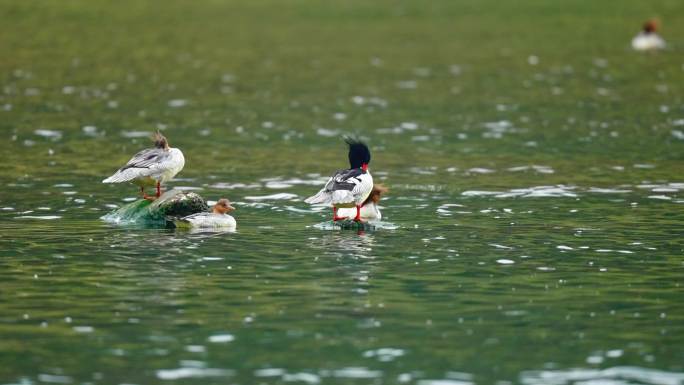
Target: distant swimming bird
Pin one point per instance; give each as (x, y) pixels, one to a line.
(350, 187)
(159, 164)
(648, 39)
(217, 218)
(369, 209)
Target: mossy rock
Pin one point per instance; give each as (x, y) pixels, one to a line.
(348, 224)
(171, 205)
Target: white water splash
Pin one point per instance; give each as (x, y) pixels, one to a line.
(279, 196)
(41, 217)
(176, 374)
(613, 376)
(384, 354)
(50, 134)
(221, 338)
(531, 192)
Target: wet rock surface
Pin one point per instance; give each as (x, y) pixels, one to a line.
(171, 205)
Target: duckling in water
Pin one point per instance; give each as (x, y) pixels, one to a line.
(369, 209)
(648, 39)
(217, 218)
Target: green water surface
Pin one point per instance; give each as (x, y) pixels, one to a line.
(535, 162)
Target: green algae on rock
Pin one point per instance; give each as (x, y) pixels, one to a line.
(170, 205)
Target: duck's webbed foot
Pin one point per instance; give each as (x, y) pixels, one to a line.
(335, 217)
(150, 198)
(145, 196)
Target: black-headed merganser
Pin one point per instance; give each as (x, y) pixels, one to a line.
(158, 164)
(350, 187)
(648, 39)
(369, 209)
(217, 218)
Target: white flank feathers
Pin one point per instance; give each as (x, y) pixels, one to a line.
(369, 212)
(211, 220)
(646, 41)
(342, 197)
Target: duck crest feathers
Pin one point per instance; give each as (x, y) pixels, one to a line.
(160, 141)
(359, 154)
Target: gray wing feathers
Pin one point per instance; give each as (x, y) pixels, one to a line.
(345, 180)
(343, 187)
(147, 158)
(141, 164)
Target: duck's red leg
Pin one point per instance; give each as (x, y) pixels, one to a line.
(145, 196)
(158, 190)
(335, 217)
(357, 218)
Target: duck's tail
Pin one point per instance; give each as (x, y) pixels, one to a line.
(322, 197)
(335, 198)
(121, 176)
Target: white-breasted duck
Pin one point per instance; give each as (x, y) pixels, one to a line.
(648, 39)
(151, 166)
(369, 209)
(350, 187)
(218, 218)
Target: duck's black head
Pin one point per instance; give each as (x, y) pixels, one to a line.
(359, 154)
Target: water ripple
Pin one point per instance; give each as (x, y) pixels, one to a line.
(615, 375)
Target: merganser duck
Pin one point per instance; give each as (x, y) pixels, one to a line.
(369, 209)
(350, 187)
(159, 164)
(648, 39)
(217, 218)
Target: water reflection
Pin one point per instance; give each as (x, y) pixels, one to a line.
(355, 242)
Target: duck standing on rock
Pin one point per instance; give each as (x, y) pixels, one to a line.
(158, 164)
(348, 188)
(217, 218)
